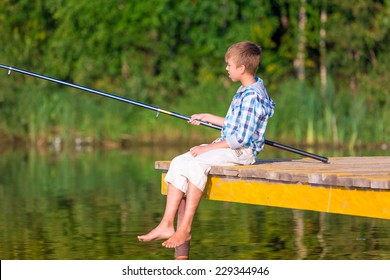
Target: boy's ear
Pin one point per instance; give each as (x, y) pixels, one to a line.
(242, 68)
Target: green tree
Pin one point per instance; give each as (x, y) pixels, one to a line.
(358, 31)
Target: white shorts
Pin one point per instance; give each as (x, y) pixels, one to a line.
(186, 168)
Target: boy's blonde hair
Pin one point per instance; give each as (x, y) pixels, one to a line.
(245, 53)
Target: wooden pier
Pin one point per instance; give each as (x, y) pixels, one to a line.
(346, 185)
(357, 186)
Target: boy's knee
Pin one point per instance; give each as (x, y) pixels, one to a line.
(182, 160)
(178, 161)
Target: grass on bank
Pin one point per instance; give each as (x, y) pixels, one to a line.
(39, 113)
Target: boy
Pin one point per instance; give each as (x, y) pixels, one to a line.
(242, 138)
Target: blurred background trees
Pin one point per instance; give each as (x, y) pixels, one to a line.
(325, 63)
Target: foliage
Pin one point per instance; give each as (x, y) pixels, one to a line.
(170, 53)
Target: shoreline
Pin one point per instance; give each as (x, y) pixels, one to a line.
(127, 141)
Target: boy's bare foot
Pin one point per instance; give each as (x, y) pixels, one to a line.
(160, 232)
(177, 239)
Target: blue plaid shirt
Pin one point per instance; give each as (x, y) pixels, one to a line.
(247, 117)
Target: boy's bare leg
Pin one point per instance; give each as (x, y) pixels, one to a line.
(183, 232)
(166, 227)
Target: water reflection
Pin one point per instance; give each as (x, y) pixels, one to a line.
(92, 205)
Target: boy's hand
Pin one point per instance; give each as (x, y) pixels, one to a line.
(195, 119)
(197, 150)
(207, 118)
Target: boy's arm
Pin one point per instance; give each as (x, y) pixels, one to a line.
(205, 117)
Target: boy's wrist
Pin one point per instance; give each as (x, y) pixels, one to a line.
(206, 117)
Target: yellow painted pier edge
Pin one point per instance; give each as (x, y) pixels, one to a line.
(358, 186)
(357, 202)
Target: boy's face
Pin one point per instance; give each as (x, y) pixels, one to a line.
(234, 70)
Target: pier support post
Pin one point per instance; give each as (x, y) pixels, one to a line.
(183, 251)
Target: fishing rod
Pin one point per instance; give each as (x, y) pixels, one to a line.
(154, 108)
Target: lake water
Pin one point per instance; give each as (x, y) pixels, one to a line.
(92, 204)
